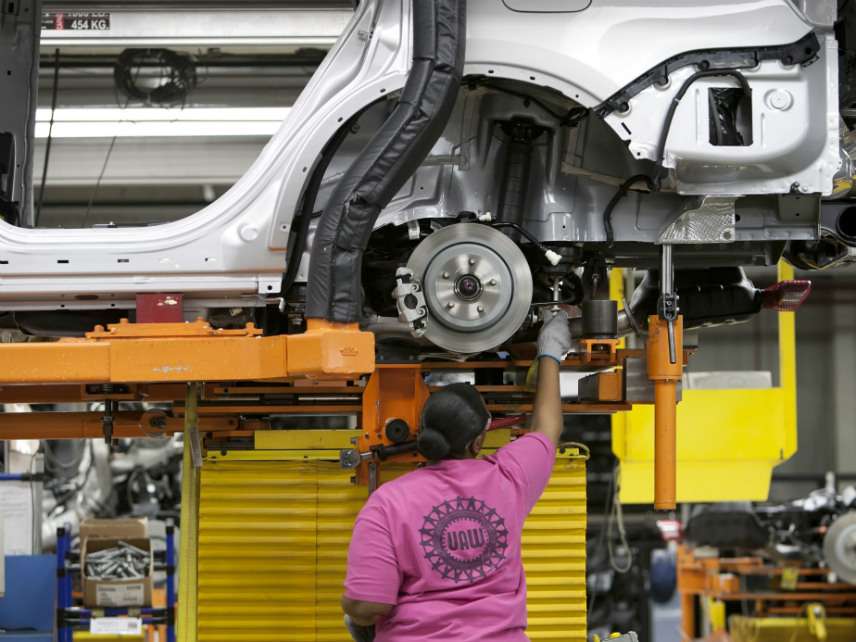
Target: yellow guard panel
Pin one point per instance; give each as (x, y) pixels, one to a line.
(273, 535)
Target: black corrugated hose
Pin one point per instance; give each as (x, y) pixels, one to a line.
(392, 156)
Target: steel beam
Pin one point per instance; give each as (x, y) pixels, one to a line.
(87, 425)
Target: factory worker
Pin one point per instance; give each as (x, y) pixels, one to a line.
(435, 554)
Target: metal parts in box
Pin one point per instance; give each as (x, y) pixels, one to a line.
(116, 592)
(120, 562)
(103, 535)
(746, 629)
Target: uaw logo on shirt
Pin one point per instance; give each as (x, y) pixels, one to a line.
(464, 539)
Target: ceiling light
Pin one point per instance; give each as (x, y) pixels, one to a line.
(158, 122)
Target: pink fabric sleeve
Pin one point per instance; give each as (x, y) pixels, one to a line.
(373, 572)
(528, 461)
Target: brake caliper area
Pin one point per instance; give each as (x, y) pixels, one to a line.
(410, 300)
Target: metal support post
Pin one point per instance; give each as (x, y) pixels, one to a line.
(170, 582)
(63, 593)
(665, 369)
(191, 423)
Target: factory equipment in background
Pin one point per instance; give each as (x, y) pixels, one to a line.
(772, 571)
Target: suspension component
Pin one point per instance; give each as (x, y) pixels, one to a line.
(667, 305)
(665, 368)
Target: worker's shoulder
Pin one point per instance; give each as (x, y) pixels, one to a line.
(404, 483)
(407, 486)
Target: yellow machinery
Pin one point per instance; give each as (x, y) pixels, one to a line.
(269, 530)
(788, 602)
(805, 629)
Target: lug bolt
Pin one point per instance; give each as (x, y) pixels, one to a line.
(450, 306)
(472, 261)
(492, 282)
(445, 275)
(480, 309)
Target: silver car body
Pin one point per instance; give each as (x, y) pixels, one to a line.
(233, 252)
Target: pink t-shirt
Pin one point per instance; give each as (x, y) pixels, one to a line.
(443, 545)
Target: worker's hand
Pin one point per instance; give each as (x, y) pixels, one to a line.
(554, 340)
(359, 633)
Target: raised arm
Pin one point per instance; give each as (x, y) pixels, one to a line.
(554, 343)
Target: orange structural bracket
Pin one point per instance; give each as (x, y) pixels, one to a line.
(331, 350)
(88, 425)
(666, 375)
(593, 347)
(197, 329)
(392, 406)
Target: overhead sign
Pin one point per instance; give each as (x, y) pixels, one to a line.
(76, 21)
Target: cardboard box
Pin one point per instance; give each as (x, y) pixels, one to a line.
(97, 535)
(116, 528)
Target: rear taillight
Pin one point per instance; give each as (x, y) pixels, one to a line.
(786, 296)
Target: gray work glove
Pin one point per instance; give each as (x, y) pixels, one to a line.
(359, 633)
(554, 340)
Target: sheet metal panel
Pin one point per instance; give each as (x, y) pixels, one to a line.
(273, 538)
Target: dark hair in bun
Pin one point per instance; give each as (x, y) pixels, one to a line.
(451, 419)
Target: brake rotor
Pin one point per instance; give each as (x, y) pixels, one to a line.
(477, 285)
(839, 547)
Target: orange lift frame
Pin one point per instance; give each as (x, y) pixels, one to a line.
(241, 377)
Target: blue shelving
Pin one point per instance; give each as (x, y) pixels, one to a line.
(70, 617)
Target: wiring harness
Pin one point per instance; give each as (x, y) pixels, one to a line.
(178, 76)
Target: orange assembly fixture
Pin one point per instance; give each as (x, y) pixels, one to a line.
(666, 376)
(182, 352)
(248, 378)
(331, 349)
(123, 353)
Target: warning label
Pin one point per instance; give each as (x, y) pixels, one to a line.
(76, 21)
(120, 594)
(116, 626)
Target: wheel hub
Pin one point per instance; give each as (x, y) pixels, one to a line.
(839, 547)
(468, 287)
(477, 284)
